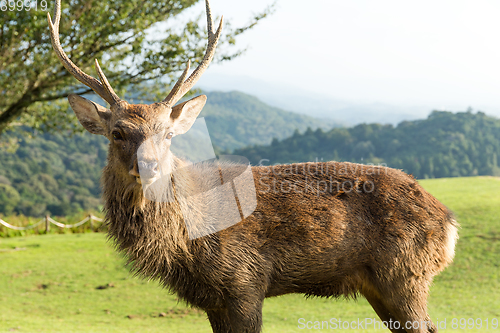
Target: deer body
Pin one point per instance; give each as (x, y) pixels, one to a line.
(323, 229)
(385, 242)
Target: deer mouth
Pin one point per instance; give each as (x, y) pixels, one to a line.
(145, 181)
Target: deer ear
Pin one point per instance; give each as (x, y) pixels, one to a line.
(92, 116)
(184, 114)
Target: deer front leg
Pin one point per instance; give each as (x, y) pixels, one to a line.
(240, 317)
(219, 320)
(245, 314)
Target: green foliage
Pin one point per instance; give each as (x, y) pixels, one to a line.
(32, 79)
(52, 174)
(443, 145)
(9, 198)
(49, 283)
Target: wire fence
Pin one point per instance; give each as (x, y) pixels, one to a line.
(48, 221)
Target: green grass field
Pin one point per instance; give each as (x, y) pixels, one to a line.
(77, 283)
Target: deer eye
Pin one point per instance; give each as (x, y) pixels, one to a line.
(170, 135)
(117, 135)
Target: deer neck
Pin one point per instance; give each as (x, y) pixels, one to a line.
(151, 234)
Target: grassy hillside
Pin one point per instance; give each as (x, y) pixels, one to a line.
(77, 283)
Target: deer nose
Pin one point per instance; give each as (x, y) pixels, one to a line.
(148, 170)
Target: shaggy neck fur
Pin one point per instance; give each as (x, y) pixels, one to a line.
(151, 234)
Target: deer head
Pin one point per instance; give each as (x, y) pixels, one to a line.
(128, 126)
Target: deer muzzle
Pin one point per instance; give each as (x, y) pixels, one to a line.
(149, 171)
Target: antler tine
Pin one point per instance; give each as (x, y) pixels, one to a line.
(177, 86)
(109, 90)
(104, 90)
(182, 87)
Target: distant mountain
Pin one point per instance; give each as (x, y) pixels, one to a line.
(235, 120)
(291, 98)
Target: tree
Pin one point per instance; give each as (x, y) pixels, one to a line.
(118, 33)
(9, 198)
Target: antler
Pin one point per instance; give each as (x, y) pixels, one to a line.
(182, 87)
(104, 90)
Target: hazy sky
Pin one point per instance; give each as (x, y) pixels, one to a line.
(439, 53)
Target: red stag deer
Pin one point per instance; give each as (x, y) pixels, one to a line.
(322, 229)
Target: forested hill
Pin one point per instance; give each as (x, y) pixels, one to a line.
(443, 145)
(51, 173)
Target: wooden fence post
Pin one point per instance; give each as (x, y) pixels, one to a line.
(47, 224)
(91, 223)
